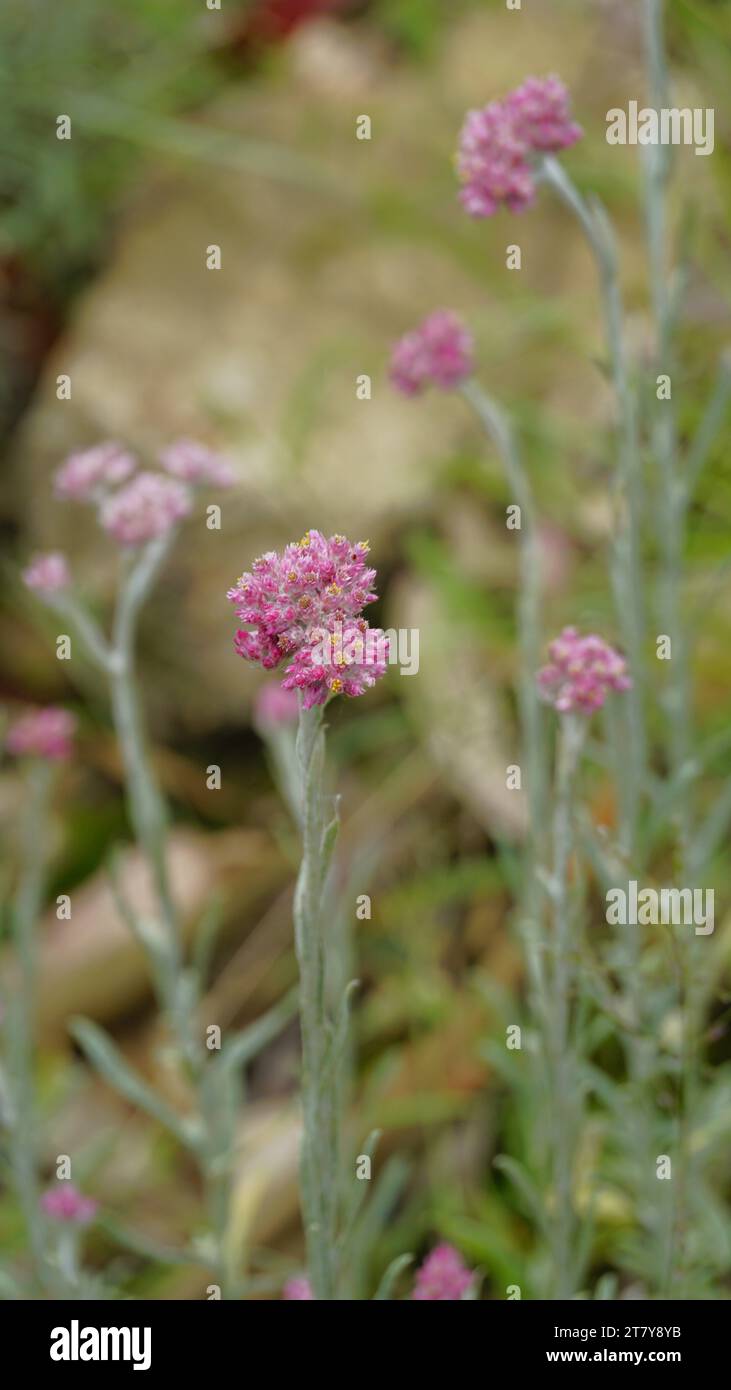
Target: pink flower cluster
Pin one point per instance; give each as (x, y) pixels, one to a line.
(443, 1276)
(440, 352)
(581, 672)
(86, 475)
(195, 463)
(65, 1203)
(47, 574)
(42, 733)
(146, 508)
(306, 605)
(298, 1291)
(148, 504)
(498, 145)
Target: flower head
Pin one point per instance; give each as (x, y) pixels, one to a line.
(146, 507)
(195, 463)
(305, 605)
(65, 1203)
(443, 1276)
(498, 145)
(47, 574)
(493, 163)
(289, 599)
(539, 111)
(86, 475)
(581, 672)
(42, 733)
(274, 707)
(438, 353)
(298, 1290)
(342, 658)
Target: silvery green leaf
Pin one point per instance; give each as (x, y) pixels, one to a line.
(241, 1049)
(359, 1189)
(391, 1275)
(109, 1062)
(340, 1031)
(329, 840)
(524, 1185)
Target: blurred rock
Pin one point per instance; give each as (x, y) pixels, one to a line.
(91, 965)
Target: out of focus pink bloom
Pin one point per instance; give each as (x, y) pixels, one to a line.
(274, 707)
(146, 507)
(493, 163)
(42, 733)
(498, 145)
(443, 1276)
(298, 1290)
(65, 1203)
(47, 574)
(193, 462)
(438, 353)
(539, 111)
(581, 672)
(305, 605)
(87, 474)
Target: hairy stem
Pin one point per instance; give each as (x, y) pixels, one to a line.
(21, 1010)
(625, 567)
(146, 807)
(319, 1157)
(564, 1087)
(672, 493)
(498, 428)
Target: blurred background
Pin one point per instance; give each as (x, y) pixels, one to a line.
(193, 127)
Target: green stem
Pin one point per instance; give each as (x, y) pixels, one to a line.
(146, 807)
(178, 988)
(498, 428)
(673, 503)
(626, 568)
(21, 1012)
(68, 606)
(319, 1157)
(565, 1092)
(672, 496)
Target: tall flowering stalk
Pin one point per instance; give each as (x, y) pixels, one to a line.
(42, 739)
(506, 151)
(440, 352)
(676, 479)
(304, 606)
(141, 510)
(580, 674)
